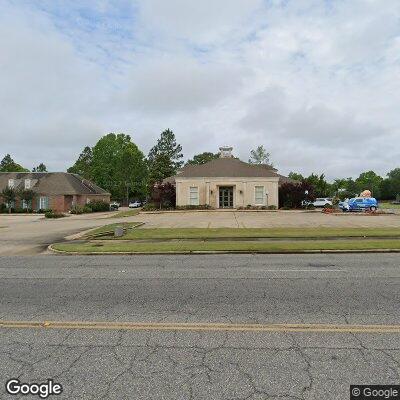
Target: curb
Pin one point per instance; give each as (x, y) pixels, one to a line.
(107, 253)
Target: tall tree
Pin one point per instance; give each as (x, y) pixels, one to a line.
(119, 166)
(369, 181)
(259, 156)
(7, 164)
(202, 158)
(83, 164)
(321, 186)
(390, 187)
(40, 168)
(165, 158)
(296, 176)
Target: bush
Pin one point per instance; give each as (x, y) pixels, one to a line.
(3, 208)
(98, 206)
(291, 195)
(51, 214)
(193, 207)
(150, 207)
(163, 195)
(77, 210)
(272, 207)
(87, 209)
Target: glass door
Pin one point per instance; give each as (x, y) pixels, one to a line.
(226, 197)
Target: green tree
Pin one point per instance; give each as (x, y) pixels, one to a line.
(321, 186)
(162, 167)
(7, 164)
(296, 176)
(40, 168)
(390, 186)
(259, 156)
(27, 195)
(202, 158)
(369, 181)
(165, 158)
(83, 165)
(119, 166)
(9, 195)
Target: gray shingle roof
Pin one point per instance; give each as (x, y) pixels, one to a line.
(227, 167)
(52, 183)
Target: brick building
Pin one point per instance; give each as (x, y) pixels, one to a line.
(58, 191)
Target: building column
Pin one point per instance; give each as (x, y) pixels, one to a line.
(208, 193)
(244, 195)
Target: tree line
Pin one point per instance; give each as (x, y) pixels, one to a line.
(382, 188)
(117, 164)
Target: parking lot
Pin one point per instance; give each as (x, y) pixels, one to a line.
(240, 219)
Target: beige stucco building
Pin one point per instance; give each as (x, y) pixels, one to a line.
(227, 182)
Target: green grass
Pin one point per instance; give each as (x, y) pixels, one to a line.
(110, 228)
(389, 206)
(124, 214)
(238, 246)
(210, 233)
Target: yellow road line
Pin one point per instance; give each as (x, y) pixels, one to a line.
(150, 326)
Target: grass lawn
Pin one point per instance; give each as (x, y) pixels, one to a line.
(238, 246)
(128, 213)
(110, 228)
(389, 206)
(209, 233)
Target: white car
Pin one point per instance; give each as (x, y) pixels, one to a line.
(114, 205)
(135, 204)
(322, 202)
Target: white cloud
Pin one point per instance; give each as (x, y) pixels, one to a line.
(313, 81)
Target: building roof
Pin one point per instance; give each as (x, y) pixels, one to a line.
(52, 183)
(227, 167)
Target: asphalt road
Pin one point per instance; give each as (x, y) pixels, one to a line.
(215, 363)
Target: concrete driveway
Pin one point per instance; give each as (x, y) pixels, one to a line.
(25, 235)
(31, 234)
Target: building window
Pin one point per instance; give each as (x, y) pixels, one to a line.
(259, 195)
(27, 184)
(43, 203)
(11, 183)
(194, 196)
(24, 204)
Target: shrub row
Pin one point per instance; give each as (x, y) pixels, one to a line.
(250, 207)
(5, 210)
(52, 214)
(93, 206)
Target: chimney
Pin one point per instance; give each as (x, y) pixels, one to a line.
(225, 152)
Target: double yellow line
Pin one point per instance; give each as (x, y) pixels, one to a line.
(208, 327)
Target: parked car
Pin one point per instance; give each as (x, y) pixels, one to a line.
(114, 206)
(322, 202)
(343, 204)
(360, 204)
(135, 204)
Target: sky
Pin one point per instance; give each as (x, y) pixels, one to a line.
(317, 82)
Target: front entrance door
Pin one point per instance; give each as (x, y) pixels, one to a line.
(226, 197)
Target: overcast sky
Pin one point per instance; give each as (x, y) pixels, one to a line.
(317, 82)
